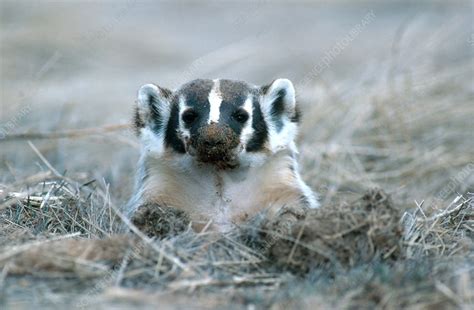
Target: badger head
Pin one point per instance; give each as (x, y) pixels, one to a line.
(224, 123)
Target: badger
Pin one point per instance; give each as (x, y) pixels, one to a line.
(220, 150)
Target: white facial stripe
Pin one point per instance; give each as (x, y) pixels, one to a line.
(182, 103)
(247, 131)
(182, 106)
(215, 100)
(248, 105)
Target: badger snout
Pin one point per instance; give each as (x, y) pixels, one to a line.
(215, 135)
(217, 144)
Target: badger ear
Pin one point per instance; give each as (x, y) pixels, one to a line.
(278, 105)
(153, 108)
(279, 102)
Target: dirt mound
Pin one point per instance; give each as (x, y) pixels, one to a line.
(156, 221)
(346, 234)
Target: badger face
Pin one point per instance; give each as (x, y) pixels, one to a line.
(223, 123)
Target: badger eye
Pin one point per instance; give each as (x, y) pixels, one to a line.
(189, 116)
(241, 116)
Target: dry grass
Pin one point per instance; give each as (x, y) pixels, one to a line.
(398, 259)
(402, 123)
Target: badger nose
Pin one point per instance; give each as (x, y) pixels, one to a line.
(213, 142)
(215, 135)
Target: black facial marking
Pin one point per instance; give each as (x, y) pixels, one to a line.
(196, 96)
(189, 116)
(234, 94)
(260, 135)
(227, 112)
(195, 93)
(171, 135)
(241, 116)
(232, 114)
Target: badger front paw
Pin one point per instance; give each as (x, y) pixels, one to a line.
(158, 221)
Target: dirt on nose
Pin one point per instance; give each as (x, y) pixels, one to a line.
(216, 144)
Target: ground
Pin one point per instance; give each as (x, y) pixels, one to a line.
(386, 91)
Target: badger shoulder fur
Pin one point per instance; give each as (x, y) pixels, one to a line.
(220, 150)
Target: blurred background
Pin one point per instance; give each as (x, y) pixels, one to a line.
(386, 87)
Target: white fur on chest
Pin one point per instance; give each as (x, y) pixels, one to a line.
(220, 195)
(224, 197)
